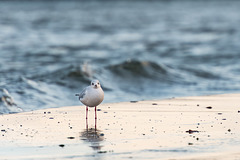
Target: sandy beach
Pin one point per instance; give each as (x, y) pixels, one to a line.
(202, 127)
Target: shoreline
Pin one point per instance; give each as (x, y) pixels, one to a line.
(198, 127)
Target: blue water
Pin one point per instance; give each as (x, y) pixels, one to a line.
(137, 49)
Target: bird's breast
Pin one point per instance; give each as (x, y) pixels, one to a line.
(93, 98)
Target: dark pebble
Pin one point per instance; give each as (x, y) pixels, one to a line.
(102, 151)
(190, 144)
(192, 131)
(61, 145)
(219, 113)
(71, 137)
(101, 134)
(98, 109)
(133, 101)
(209, 107)
(51, 118)
(154, 104)
(3, 130)
(229, 130)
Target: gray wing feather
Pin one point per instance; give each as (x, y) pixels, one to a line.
(82, 94)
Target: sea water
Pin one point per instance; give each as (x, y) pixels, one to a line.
(139, 50)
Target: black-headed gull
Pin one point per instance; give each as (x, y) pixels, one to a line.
(92, 96)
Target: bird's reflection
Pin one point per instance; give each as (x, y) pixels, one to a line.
(93, 136)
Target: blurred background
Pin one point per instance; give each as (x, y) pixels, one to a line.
(139, 50)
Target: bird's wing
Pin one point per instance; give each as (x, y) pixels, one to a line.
(83, 93)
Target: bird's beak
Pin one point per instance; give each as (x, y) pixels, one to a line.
(95, 86)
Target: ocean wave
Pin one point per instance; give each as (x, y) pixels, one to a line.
(170, 54)
(133, 68)
(70, 76)
(7, 103)
(201, 73)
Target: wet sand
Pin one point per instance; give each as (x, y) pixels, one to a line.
(203, 127)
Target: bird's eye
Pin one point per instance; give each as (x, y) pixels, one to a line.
(98, 83)
(92, 83)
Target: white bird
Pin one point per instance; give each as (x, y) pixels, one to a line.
(92, 96)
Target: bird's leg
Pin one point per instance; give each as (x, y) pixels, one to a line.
(95, 125)
(86, 112)
(86, 124)
(95, 112)
(87, 118)
(95, 118)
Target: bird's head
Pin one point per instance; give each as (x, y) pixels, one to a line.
(95, 84)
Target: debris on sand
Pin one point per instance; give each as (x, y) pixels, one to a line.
(209, 107)
(192, 131)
